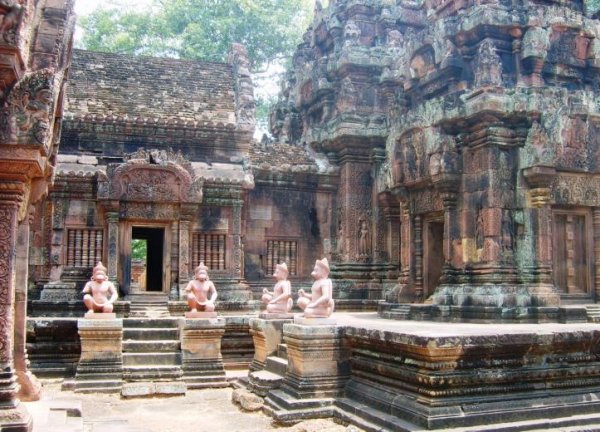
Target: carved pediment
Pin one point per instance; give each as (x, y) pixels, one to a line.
(153, 176)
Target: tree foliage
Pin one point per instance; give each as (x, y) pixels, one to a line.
(200, 29)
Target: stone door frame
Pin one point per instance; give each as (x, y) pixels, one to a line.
(125, 235)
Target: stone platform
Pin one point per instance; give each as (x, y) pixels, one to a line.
(408, 375)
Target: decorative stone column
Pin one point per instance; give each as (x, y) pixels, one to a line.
(596, 222)
(267, 334)
(113, 245)
(405, 290)
(539, 179)
(13, 416)
(202, 361)
(418, 241)
(237, 240)
(100, 367)
(30, 387)
(184, 256)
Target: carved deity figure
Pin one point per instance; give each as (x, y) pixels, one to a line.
(363, 239)
(99, 293)
(319, 304)
(201, 292)
(280, 300)
(487, 65)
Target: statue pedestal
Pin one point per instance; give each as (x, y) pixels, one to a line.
(202, 362)
(194, 315)
(100, 315)
(100, 368)
(318, 369)
(267, 334)
(300, 320)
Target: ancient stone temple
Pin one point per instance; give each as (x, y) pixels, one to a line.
(162, 150)
(35, 44)
(465, 134)
(439, 158)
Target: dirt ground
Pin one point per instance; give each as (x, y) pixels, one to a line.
(200, 410)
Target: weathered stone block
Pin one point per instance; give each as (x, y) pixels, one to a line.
(267, 334)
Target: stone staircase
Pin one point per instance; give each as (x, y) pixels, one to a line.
(270, 378)
(151, 357)
(593, 313)
(400, 312)
(149, 305)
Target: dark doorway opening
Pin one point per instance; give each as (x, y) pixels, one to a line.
(154, 239)
(434, 255)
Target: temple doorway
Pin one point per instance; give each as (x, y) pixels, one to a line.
(573, 253)
(433, 262)
(147, 258)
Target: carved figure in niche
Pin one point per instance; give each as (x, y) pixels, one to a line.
(319, 304)
(536, 43)
(412, 162)
(487, 65)
(201, 292)
(97, 291)
(394, 38)
(340, 232)
(479, 228)
(364, 244)
(507, 231)
(422, 63)
(280, 300)
(352, 34)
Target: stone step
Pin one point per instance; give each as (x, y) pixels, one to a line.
(276, 365)
(96, 385)
(150, 388)
(593, 313)
(129, 323)
(143, 306)
(288, 410)
(369, 418)
(152, 373)
(151, 359)
(282, 351)
(261, 382)
(145, 334)
(206, 381)
(134, 346)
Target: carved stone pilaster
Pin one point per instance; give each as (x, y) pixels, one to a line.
(29, 385)
(176, 276)
(11, 195)
(418, 239)
(539, 179)
(596, 224)
(184, 253)
(112, 219)
(237, 240)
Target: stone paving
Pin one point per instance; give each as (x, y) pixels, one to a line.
(200, 410)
